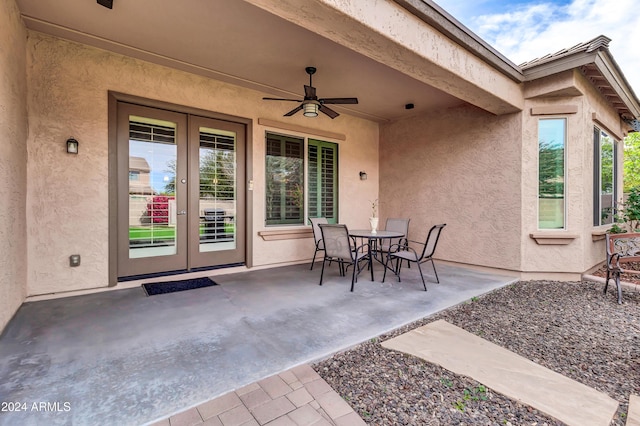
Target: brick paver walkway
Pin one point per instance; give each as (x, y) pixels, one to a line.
(295, 397)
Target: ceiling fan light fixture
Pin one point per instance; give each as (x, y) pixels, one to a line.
(310, 109)
(311, 104)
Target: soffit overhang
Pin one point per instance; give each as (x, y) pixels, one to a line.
(594, 60)
(435, 16)
(266, 44)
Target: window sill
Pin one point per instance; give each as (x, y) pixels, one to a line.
(599, 234)
(286, 234)
(553, 238)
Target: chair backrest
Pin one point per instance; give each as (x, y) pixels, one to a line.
(432, 240)
(337, 243)
(315, 221)
(397, 225)
(626, 246)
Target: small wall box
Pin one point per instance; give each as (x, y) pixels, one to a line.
(74, 260)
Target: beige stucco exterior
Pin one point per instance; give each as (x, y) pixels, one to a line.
(554, 96)
(13, 161)
(470, 161)
(69, 85)
(460, 167)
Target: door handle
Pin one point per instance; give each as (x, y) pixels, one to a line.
(181, 212)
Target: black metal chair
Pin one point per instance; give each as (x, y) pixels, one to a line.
(397, 225)
(400, 253)
(317, 235)
(339, 247)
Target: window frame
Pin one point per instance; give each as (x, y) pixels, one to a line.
(306, 213)
(598, 133)
(565, 122)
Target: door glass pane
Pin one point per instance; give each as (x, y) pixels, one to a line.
(152, 187)
(217, 165)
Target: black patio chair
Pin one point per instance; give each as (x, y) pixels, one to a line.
(317, 235)
(397, 225)
(341, 248)
(400, 253)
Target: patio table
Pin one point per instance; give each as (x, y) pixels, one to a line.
(372, 239)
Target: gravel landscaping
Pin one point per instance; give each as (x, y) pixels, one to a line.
(571, 328)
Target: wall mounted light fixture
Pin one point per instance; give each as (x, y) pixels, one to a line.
(363, 175)
(72, 145)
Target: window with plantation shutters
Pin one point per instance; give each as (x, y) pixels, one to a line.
(286, 191)
(323, 180)
(284, 180)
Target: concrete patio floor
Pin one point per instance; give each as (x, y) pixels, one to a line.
(120, 357)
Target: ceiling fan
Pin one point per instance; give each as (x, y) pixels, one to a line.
(311, 104)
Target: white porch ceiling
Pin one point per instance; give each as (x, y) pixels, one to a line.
(234, 41)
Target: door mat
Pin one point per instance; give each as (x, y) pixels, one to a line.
(510, 374)
(173, 286)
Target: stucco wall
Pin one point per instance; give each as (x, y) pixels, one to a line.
(582, 253)
(609, 121)
(68, 195)
(460, 167)
(13, 161)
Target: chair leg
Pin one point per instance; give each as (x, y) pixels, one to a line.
(434, 271)
(398, 268)
(386, 265)
(371, 265)
(322, 272)
(314, 259)
(353, 275)
(606, 283)
(619, 288)
(422, 276)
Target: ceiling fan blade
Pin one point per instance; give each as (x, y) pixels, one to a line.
(293, 111)
(331, 113)
(281, 99)
(339, 101)
(309, 92)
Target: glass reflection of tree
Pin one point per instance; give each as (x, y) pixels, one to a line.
(606, 179)
(217, 174)
(551, 170)
(284, 180)
(170, 186)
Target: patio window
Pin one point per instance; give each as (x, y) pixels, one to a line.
(604, 177)
(285, 180)
(551, 173)
(323, 180)
(286, 191)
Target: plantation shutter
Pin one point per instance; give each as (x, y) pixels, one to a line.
(323, 180)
